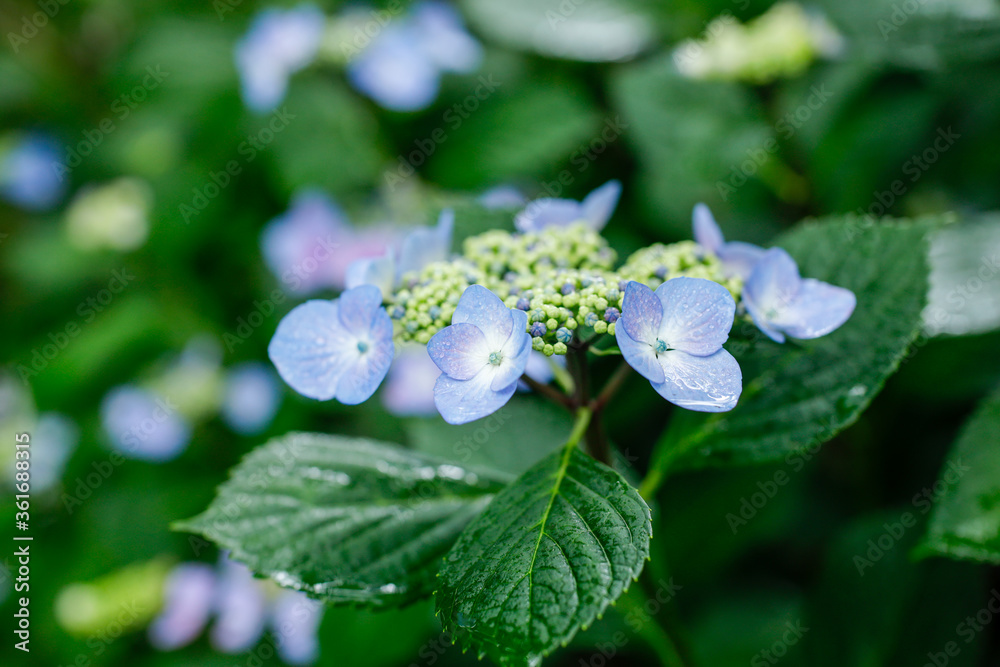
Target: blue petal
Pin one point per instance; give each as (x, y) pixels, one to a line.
(600, 204)
(311, 349)
(460, 350)
(423, 246)
(642, 313)
(483, 308)
(377, 271)
(368, 369)
(739, 259)
(395, 72)
(242, 610)
(706, 231)
(697, 315)
(439, 31)
(188, 600)
(462, 401)
(639, 355)
(818, 309)
(359, 307)
(703, 384)
(771, 288)
(515, 353)
(547, 212)
(296, 618)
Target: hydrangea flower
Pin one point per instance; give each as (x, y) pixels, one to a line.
(29, 173)
(501, 196)
(252, 397)
(673, 337)
(738, 258)
(53, 442)
(401, 69)
(335, 349)
(420, 247)
(409, 389)
(482, 354)
(595, 210)
(278, 44)
(782, 303)
(142, 425)
(243, 609)
(311, 246)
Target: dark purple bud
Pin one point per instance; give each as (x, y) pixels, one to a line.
(611, 315)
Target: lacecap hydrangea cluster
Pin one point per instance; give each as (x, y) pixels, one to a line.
(553, 285)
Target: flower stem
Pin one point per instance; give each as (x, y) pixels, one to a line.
(580, 426)
(549, 392)
(611, 388)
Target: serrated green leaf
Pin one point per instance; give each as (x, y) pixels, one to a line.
(965, 522)
(803, 393)
(344, 519)
(545, 559)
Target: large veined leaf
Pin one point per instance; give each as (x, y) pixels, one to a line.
(545, 559)
(965, 522)
(802, 393)
(345, 519)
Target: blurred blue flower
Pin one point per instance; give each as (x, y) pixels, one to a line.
(595, 210)
(782, 303)
(29, 174)
(278, 44)
(401, 68)
(502, 196)
(195, 591)
(252, 397)
(539, 368)
(188, 597)
(738, 258)
(419, 248)
(673, 337)
(335, 349)
(142, 425)
(409, 388)
(482, 354)
(52, 443)
(311, 246)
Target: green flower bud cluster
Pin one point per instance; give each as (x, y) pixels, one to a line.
(562, 277)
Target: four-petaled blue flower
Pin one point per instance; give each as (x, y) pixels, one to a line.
(738, 258)
(278, 44)
(481, 356)
(673, 337)
(782, 303)
(335, 349)
(595, 210)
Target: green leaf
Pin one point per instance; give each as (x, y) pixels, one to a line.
(545, 559)
(964, 298)
(500, 441)
(965, 522)
(344, 519)
(803, 393)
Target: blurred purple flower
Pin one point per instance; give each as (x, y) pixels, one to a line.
(539, 368)
(187, 605)
(401, 68)
(409, 388)
(782, 303)
(195, 591)
(594, 211)
(420, 247)
(278, 44)
(738, 258)
(142, 425)
(29, 173)
(252, 397)
(335, 349)
(310, 246)
(54, 439)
